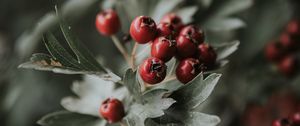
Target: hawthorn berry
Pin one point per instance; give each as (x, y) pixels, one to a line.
(163, 48)
(107, 22)
(288, 65)
(274, 51)
(295, 118)
(289, 40)
(112, 110)
(196, 34)
(281, 122)
(143, 29)
(166, 29)
(188, 69)
(207, 54)
(293, 27)
(173, 19)
(186, 48)
(153, 70)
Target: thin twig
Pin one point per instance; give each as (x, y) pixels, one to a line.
(121, 48)
(133, 53)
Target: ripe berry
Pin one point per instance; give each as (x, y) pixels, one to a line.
(281, 122)
(107, 22)
(165, 29)
(143, 29)
(289, 41)
(293, 27)
(196, 34)
(163, 48)
(186, 48)
(288, 65)
(112, 110)
(274, 51)
(207, 54)
(173, 19)
(153, 70)
(295, 118)
(188, 69)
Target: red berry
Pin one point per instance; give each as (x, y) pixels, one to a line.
(281, 122)
(143, 29)
(207, 54)
(163, 48)
(186, 48)
(293, 27)
(274, 51)
(112, 110)
(188, 69)
(107, 22)
(165, 29)
(295, 118)
(289, 41)
(288, 65)
(194, 33)
(153, 70)
(173, 19)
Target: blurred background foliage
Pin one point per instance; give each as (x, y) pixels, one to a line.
(26, 95)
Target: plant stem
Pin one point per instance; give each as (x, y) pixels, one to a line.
(169, 78)
(133, 53)
(121, 48)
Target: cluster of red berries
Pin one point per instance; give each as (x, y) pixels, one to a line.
(284, 51)
(293, 120)
(172, 38)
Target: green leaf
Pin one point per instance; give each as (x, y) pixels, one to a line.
(200, 119)
(206, 3)
(83, 55)
(187, 13)
(233, 6)
(195, 92)
(91, 92)
(153, 105)
(224, 24)
(226, 49)
(164, 7)
(132, 84)
(65, 118)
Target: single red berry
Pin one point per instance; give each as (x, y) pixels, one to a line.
(163, 48)
(108, 22)
(289, 41)
(293, 27)
(295, 118)
(173, 19)
(112, 110)
(194, 33)
(281, 122)
(153, 70)
(274, 51)
(143, 29)
(188, 69)
(165, 29)
(207, 55)
(288, 65)
(186, 48)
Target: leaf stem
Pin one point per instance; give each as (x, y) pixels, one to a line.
(121, 48)
(133, 53)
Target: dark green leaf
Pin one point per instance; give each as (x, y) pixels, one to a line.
(226, 49)
(224, 24)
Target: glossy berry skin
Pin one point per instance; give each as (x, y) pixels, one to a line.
(295, 118)
(207, 54)
(173, 19)
(163, 48)
(165, 29)
(186, 48)
(188, 69)
(108, 22)
(288, 65)
(112, 110)
(143, 29)
(196, 34)
(281, 122)
(274, 51)
(293, 27)
(153, 70)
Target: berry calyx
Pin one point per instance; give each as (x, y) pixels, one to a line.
(173, 19)
(188, 69)
(207, 54)
(163, 48)
(186, 48)
(143, 29)
(196, 34)
(112, 110)
(274, 51)
(288, 65)
(107, 22)
(153, 70)
(166, 29)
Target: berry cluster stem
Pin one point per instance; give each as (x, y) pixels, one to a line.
(133, 53)
(121, 49)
